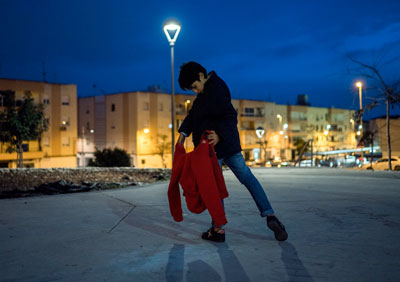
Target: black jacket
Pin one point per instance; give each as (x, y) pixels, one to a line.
(213, 110)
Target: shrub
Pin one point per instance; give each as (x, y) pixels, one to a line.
(110, 158)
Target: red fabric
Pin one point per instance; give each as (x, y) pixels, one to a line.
(202, 182)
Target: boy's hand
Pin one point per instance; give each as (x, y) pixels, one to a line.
(213, 138)
(181, 139)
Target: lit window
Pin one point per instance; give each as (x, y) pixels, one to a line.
(65, 100)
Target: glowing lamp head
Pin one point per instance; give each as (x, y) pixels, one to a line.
(260, 132)
(359, 84)
(171, 30)
(146, 130)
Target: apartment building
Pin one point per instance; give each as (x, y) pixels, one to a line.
(58, 145)
(135, 121)
(328, 128)
(378, 126)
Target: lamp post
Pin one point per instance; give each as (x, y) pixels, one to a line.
(360, 127)
(359, 85)
(171, 30)
(278, 116)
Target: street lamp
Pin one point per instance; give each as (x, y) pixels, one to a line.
(171, 30)
(260, 133)
(359, 85)
(278, 116)
(359, 132)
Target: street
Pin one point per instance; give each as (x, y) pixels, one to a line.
(343, 225)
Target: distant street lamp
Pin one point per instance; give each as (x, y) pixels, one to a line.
(278, 116)
(171, 30)
(359, 85)
(260, 133)
(359, 132)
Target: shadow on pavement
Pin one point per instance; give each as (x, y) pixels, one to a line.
(199, 270)
(294, 266)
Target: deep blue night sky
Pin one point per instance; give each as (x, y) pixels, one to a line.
(264, 50)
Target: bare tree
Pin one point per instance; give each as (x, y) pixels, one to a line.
(387, 92)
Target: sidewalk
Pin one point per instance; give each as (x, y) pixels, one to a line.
(343, 225)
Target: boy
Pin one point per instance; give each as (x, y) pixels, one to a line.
(212, 110)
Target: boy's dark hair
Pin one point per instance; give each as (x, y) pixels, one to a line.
(190, 73)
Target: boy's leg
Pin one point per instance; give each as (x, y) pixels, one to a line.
(215, 233)
(238, 166)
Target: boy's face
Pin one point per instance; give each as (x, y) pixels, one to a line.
(198, 85)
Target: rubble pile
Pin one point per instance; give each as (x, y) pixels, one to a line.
(77, 179)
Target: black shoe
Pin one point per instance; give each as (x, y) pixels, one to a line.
(213, 235)
(275, 225)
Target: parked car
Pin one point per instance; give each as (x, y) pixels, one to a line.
(383, 164)
(348, 161)
(306, 163)
(331, 162)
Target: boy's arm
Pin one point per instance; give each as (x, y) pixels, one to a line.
(181, 139)
(186, 127)
(223, 112)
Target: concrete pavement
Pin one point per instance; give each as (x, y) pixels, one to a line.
(343, 225)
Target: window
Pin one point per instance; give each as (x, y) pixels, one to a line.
(88, 126)
(65, 121)
(46, 100)
(25, 147)
(248, 125)
(87, 111)
(1, 101)
(145, 106)
(298, 116)
(339, 117)
(46, 141)
(65, 141)
(160, 107)
(113, 107)
(65, 100)
(249, 111)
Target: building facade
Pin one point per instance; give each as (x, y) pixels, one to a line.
(378, 127)
(140, 123)
(58, 144)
